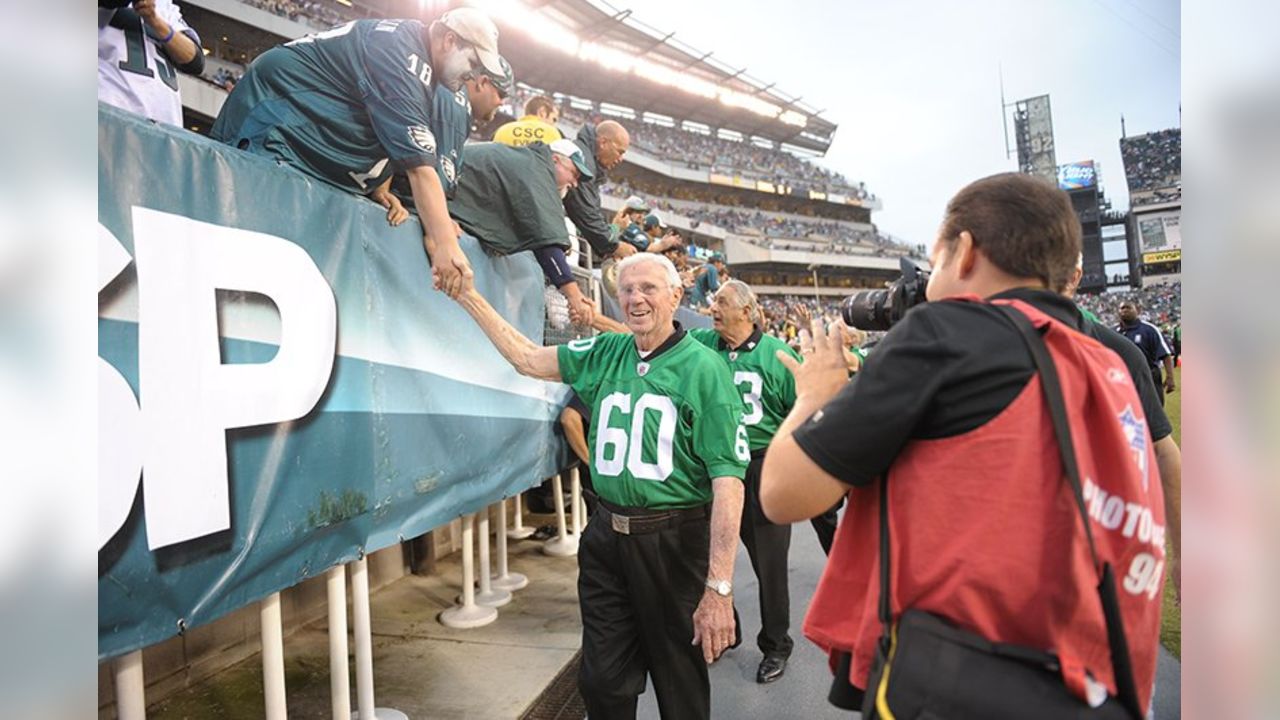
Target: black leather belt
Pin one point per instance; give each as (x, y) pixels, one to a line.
(638, 521)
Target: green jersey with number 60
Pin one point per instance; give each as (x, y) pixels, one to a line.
(661, 427)
(767, 387)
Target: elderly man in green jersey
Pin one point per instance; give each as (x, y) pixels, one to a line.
(768, 391)
(668, 453)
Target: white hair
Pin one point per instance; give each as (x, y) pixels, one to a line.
(673, 275)
(744, 297)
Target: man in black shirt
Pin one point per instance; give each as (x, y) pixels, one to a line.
(948, 368)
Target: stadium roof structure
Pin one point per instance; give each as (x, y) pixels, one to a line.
(592, 50)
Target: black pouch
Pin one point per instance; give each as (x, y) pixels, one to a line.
(932, 669)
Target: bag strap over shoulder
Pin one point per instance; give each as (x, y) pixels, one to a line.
(1122, 667)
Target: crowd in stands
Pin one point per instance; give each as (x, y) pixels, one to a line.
(225, 79)
(1153, 166)
(1158, 304)
(774, 230)
(728, 157)
(317, 14)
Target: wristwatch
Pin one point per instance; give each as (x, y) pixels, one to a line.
(723, 588)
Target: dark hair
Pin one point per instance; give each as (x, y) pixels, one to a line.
(537, 104)
(1023, 224)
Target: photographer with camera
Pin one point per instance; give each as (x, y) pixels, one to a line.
(968, 562)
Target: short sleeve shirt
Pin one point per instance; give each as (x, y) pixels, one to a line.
(767, 387)
(662, 426)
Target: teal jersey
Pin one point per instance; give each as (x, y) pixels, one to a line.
(508, 199)
(349, 106)
(705, 286)
(767, 387)
(661, 429)
(451, 124)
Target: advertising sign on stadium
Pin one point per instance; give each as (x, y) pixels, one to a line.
(280, 385)
(1077, 175)
(1161, 257)
(1160, 231)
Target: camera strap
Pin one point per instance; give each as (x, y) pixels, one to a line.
(1122, 668)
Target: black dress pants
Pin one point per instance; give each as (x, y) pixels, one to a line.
(637, 595)
(825, 526)
(767, 546)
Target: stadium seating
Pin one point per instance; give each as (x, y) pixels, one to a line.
(1153, 167)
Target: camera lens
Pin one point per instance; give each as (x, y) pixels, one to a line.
(865, 310)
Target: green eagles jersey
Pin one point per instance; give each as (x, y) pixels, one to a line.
(508, 199)
(767, 387)
(451, 123)
(348, 105)
(660, 429)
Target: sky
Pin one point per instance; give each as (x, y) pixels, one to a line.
(915, 86)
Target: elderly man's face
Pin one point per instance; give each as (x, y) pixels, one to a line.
(566, 173)
(648, 300)
(726, 314)
(611, 151)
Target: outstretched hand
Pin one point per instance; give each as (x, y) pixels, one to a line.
(824, 370)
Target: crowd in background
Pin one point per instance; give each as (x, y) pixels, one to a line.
(225, 79)
(1153, 166)
(728, 157)
(315, 13)
(773, 230)
(1159, 304)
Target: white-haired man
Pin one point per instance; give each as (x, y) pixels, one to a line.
(768, 391)
(668, 453)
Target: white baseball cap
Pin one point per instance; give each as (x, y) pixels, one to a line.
(570, 149)
(476, 28)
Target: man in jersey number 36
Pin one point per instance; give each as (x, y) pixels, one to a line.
(668, 455)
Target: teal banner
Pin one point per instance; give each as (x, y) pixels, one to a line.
(280, 388)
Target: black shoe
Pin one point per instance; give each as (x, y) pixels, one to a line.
(771, 668)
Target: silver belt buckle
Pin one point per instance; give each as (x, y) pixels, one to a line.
(621, 523)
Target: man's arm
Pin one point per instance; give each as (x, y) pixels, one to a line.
(535, 361)
(382, 195)
(582, 205)
(450, 270)
(571, 421)
(181, 49)
(1170, 385)
(713, 619)
(1169, 460)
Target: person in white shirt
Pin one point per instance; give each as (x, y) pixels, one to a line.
(141, 46)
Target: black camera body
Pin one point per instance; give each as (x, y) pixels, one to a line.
(880, 309)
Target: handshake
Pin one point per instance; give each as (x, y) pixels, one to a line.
(582, 310)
